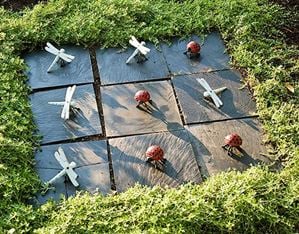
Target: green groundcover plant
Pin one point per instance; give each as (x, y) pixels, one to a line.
(259, 200)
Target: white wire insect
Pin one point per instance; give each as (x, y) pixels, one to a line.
(140, 52)
(68, 168)
(68, 104)
(61, 57)
(211, 93)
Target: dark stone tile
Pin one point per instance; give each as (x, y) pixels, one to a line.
(56, 193)
(208, 138)
(212, 56)
(113, 68)
(77, 72)
(93, 178)
(82, 153)
(52, 127)
(130, 166)
(236, 102)
(123, 118)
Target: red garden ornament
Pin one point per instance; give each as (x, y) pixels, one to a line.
(232, 141)
(155, 155)
(142, 97)
(193, 49)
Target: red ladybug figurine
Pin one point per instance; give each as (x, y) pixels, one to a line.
(193, 49)
(232, 141)
(155, 154)
(142, 96)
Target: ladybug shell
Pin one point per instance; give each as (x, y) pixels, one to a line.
(233, 140)
(142, 96)
(193, 47)
(155, 152)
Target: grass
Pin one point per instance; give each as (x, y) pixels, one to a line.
(258, 200)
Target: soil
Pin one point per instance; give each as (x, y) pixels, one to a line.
(16, 5)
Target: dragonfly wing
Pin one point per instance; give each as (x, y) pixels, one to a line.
(67, 111)
(134, 42)
(212, 94)
(142, 49)
(66, 104)
(71, 92)
(68, 98)
(64, 57)
(52, 48)
(67, 94)
(204, 85)
(216, 99)
(61, 158)
(72, 175)
(69, 56)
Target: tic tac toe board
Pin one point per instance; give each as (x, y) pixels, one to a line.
(79, 71)
(237, 102)
(208, 138)
(113, 68)
(212, 57)
(130, 166)
(107, 135)
(83, 122)
(123, 118)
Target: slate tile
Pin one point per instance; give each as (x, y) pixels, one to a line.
(212, 56)
(208, 138)
(130, 166)
(82, 153)
(113, 68)
(123, 118)
(237, 102)
(52, 127)
(77, 72)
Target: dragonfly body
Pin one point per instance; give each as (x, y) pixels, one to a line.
(61, 57)
(140, 52)
(211, 93)
(68, 168)
(67, 104)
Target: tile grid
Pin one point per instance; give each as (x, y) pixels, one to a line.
(97, 84)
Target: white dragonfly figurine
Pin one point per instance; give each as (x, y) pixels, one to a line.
(140, 52)
(61, 56)
(211, 93)
(68, 168)
(68, 104)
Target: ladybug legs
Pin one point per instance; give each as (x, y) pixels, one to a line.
(140, 103)
(229, 149)
(61, 62)
(191, 55)
(140, 58)
(158, 164)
